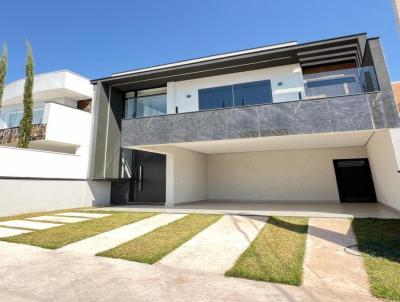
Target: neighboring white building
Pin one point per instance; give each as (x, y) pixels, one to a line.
(396, 9)
(53, 172)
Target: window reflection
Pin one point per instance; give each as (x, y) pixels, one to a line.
(145, 103)
(251, 93)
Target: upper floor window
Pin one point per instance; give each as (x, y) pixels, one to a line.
(251, 93)
(144, 103)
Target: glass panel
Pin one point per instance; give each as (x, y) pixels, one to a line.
(215, 98)
(146, 106)
(252, 93)
(12, 118)
(340, 82)
(322, 83)
(38, 116)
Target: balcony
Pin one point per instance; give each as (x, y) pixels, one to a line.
(330, 101)
(56, 128)
(9, 136)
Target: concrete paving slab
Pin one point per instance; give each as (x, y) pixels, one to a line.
(113, 238)
(7, 232)
(218, 247)
(35, 225)
(327, 263)
(60, 219)
(84, 215)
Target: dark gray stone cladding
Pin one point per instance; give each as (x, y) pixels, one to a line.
(345, 113)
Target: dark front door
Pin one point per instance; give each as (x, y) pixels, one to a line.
(354, 180)
(148, 185)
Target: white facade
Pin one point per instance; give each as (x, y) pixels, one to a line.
(53, 173)
(383, 151)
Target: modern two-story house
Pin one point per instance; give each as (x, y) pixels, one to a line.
(314, 122)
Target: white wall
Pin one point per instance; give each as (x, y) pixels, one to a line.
(16, 162)
(290, 76)
(287, 175)
(67, 125)
(186, 173)
(384, 153)
(25, 196)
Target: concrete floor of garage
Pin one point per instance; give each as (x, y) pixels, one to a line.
(305, 209)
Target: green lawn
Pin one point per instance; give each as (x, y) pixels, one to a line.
(277, 254)
(60, 236)
(379, 242)
(153, 246)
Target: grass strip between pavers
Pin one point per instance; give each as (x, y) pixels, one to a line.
(277, 253)
(153, 246)
(57, 237)
(379, 242)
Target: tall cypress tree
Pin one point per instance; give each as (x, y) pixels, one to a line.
(3, 72)
(25, 126)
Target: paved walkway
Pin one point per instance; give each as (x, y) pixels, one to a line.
(113, 238)
(44, 222)
(7, 232)
(59, 219)
(35, 225)
(216, 248)
(39, 275)
(327, 264)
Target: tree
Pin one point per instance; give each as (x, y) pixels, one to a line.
(3, 72)
(25, 126)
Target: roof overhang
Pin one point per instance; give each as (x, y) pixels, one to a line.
(341, 49)
(52, 85)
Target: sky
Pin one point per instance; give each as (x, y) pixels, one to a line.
(96, 38)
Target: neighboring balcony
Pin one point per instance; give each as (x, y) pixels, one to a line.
(335, 100)
(56, 128)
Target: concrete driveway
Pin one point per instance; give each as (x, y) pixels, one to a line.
(30, 273)
(34, 274)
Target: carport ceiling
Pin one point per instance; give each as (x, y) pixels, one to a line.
(301, 141)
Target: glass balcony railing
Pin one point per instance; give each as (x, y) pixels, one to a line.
(331, 82)
(340, 82)
(10, 118)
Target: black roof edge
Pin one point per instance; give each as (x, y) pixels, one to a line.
(94, 81)
(204, 57)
